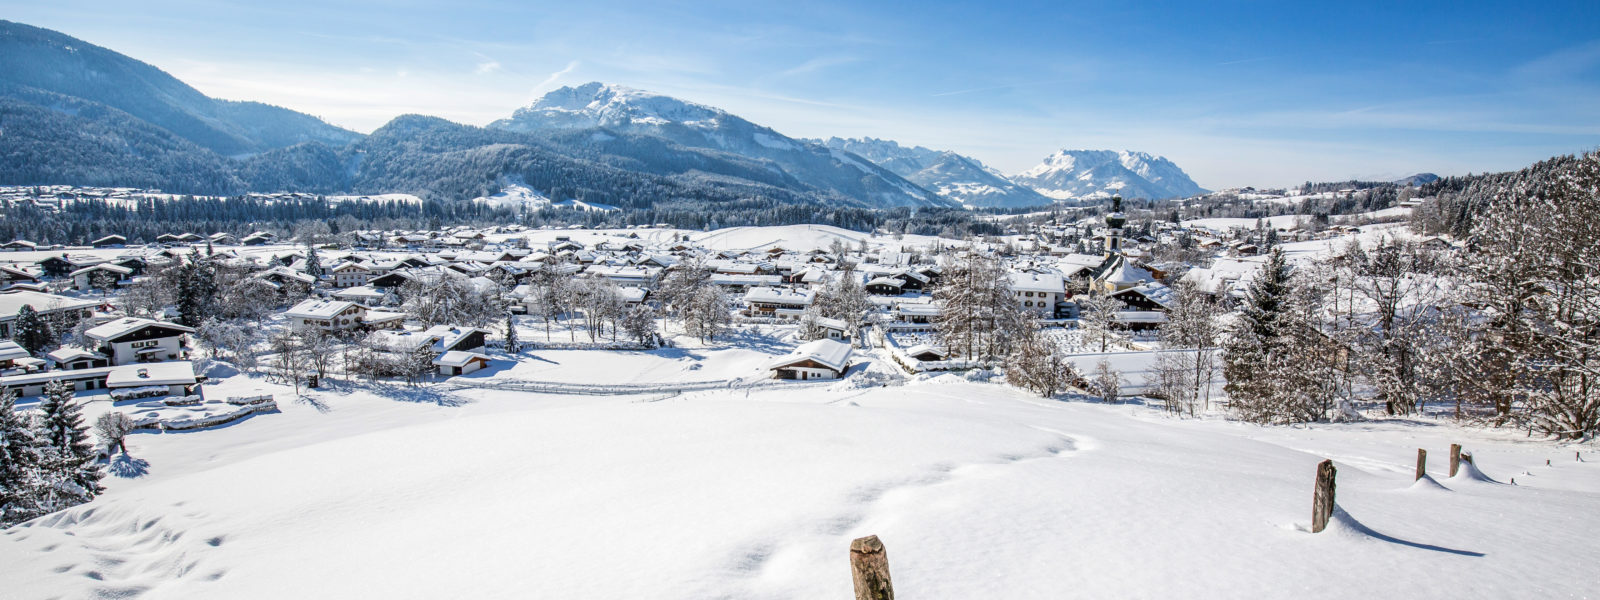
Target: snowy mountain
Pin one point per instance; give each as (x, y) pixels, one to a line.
(957, 177)
(602, 111)
(1086, 174)
(40, 66)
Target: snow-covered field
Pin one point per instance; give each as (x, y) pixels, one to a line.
(977, 490)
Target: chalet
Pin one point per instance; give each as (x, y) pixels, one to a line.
(21, 245)
(110, 241)
(13, 275)
(60, 266)
(190, 238)
(776, 302)
(13, 356)
(350, 274)
(820, 359)
(886, 286)
(456, 362)
(833, 329)
(222, 238)
(329, 315)
(134, 264)
(134, 340)
(73, 358)
(68, 310)
(1153, 296)
(103, 276)
(1038, 293)
(258, 238)
(167, 238)
(285, 277)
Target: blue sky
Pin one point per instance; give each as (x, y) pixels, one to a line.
(1236, 93)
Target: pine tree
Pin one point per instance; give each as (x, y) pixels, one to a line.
(1254, 355)
(511, 334)
(71, 469)
(21, 457)
(31, 331)
(313, 262)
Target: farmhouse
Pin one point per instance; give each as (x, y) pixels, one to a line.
(329, 315)
(134, 340)
(820, 359)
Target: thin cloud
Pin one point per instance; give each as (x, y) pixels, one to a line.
(487, 67)
(818, 64)
(556, 76)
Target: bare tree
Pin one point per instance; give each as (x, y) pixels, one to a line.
(1097, 317)
(1106, 382)
(113, 428)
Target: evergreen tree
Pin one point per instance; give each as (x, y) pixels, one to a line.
(71, 470)
(511, 334)
(1254, 356)
(30, 331)
(194, 283)
(21, 457)
(313, 262)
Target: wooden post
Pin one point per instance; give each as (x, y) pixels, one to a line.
(1422, 463)
(1322, 498)
(869, 564)
(1455, 458)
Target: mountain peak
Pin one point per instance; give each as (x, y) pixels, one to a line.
(1081, 174)
(597, 104)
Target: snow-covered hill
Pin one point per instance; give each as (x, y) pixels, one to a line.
(954, 176)
(693, 126)
(977, 490)
(1089, 174)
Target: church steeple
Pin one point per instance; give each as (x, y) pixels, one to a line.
(1114, 222)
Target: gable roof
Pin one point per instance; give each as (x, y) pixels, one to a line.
(115, 329)
(829, 353)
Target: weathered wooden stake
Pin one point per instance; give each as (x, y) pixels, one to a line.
(1455, 458)
(1322, 498)
(869, 564)
(1422, 463)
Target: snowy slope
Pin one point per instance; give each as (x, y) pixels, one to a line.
(601, 108)
(977, 491)
(960, 178)
(1089, 174)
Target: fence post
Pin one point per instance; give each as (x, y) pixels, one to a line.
(1422, 463)
(869, 565)
(1455, 458)
(1322, 497)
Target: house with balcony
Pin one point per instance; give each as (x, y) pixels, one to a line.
(134, 340)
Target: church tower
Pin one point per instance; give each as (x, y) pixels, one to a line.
(1114, 223)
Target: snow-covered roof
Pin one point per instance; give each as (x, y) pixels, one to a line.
(1156, 291)
(770, 295)
(1037, 282)
(66, 354)
(124, 326)
(458, 358)
(1127, 274)
(829, 353)
(318, 309)
(120, 270)
(179, 372)
(10, 350)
